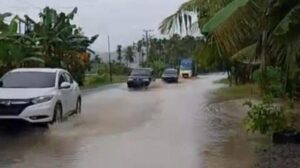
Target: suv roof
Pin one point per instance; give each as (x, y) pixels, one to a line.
(37, 70)
(171, 69)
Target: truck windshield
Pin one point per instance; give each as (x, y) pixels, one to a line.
(28, 80)
(186, 64)
(186, 67)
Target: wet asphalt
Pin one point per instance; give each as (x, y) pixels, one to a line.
(165, 126)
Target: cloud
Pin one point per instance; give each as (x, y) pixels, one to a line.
(123, 20)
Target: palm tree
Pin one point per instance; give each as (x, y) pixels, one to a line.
(119, 52)
(139, 49)
(129, 55)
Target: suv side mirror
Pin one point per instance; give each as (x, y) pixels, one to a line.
(1, 83)
(65, 85)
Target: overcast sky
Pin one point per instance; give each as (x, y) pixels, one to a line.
(123, 20)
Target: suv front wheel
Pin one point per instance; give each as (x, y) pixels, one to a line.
(57, 115)
(78, 106)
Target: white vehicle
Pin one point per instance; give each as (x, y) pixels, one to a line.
(38, 95)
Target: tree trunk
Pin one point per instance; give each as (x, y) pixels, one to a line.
(264, 61)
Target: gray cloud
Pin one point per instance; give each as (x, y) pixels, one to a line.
(123, 20)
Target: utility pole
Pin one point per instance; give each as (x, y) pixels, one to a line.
(147, 36)
(109, 59)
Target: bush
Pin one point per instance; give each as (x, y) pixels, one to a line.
(270, 81)
(158, 67)
(120, 69)
(267, 118)
(93, 80)
(116, 68)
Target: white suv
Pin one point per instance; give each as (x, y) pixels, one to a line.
(38, 95)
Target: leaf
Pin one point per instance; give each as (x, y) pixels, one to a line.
(246, 55)
(222, 15)
(72, 14)
(94, 38)
(4, 15)
(13, 26)
(35, 59)
(192, 7)
(291, 19)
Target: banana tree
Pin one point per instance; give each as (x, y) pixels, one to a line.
(62, 43)
(15, 48)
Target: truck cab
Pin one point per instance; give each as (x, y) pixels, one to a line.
(187, 68)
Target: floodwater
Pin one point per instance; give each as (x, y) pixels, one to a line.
(166, 126)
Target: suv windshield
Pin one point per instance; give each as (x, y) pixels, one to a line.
(29, 80)
(140, 72)
(170, 71)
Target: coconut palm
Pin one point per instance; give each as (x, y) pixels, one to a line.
(119, 52)
(129, 55)
(140, 51)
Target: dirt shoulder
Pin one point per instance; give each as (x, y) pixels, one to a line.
(262, 153)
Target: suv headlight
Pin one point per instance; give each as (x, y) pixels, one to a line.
(42, 99)
(130, 79)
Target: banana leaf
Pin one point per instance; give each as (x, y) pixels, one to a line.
(291, 19)
(34, 59)
(222, 15)
(246, 55)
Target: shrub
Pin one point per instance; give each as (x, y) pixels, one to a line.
(120, 69)
(96, 79)
(270, 81)
(116, 68)
(158, 67)
(267, 118)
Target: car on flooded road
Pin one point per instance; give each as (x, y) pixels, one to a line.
(38, 95)
(140, 78)
(170, 75)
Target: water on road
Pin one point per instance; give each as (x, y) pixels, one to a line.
(166, 126)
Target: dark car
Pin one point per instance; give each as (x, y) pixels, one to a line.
(170, 75)
(140, 77)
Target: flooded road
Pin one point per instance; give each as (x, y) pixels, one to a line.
(166, 126)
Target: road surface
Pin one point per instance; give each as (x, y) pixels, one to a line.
(162, 127)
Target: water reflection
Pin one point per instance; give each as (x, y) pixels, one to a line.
(22, 145)
(229, 145)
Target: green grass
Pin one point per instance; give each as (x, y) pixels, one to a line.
(237, 92)
(94, 81)
(119, 78)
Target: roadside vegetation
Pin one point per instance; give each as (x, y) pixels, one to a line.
(247, 91)
(96, 80)
(52, 41)
(99, 73)
(222, 81)
(161, 53)
(257, 42)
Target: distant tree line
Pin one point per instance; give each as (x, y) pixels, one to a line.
(162, 53)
